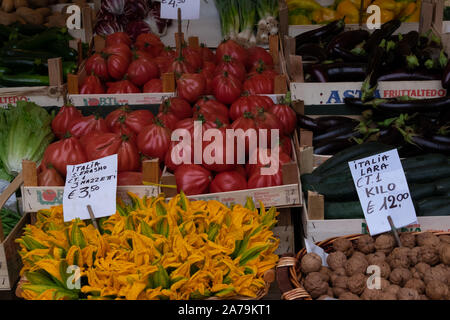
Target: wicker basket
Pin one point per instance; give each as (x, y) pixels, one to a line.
(269, 277)
(289, 276)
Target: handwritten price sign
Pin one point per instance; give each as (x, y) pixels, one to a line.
(92, 183)
(190, 9)
(383, 191)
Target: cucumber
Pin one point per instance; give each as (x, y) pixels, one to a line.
(432, 203)
(443, 186)
(343, 210)
(13, 62)
(23, 80)
(19, 53)
(427, 174)
(41, 41)
(354, 152)
(429, 159)
(309, 181)
(341, 191)
(420, 191)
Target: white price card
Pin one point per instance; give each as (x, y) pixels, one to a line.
(92, 183)
(190, 9)
(383, 191)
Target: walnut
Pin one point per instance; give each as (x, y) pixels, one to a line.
(365, 244)
(408, 294)
(385, 243)
(414, 255)
(399, 258)
(440, 273)
(339, 291)
(400, 276)
(311, 262)
(408, 240)
(422, 269)
(385, 284)
(360, 255)
(444, 254)
(357, 283)
(315, 285)
(340, 282)
(417, 284)
(376, 257)
(356, 265)
(385, 269)
(429, 255)
(336, 260)
(344, 245)
(325, 297)
(444, 239)
(427, 239)
(330, 292)
(393, 288)
(340, 272)
(387, 296)
(371, 294)
(424, 297)
(326, 272)
(348, 296)
(437, 290)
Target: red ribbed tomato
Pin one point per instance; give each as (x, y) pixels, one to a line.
(287, 116)
(208, 106)
(178, 106)
(207, 54)
(247, 122)
(190, 86)
(96, 65)
(67, 151)
(107, 144)
(215, 153)
(256, 55)
(192, 179)
(193, 57)
(153, 86)
(124, 86)
(49, 177)
(180, 66)
(258, 160)
(233, 49)
(92, 85)
(168, 52)
(226, 87)
(149, 43)
(118, 37)
(61, 122)
(247, 104)
(163, 63)
(154, 140)
(119, 49)
(228, 181)
(259, 84)
(168, 119)
(126, 120)
(129, 178)
(232, 66)
(141, 70)
(117, 66)
(176, 153)
(257, 180)
(82, 126)
(266, 119)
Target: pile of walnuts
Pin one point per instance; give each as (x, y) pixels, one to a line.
(419, 270)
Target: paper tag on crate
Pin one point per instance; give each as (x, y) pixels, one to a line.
(311, 247)
(92, 183)
(383, 191)
(190, 9)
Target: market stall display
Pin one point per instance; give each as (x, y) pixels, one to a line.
(416, 271)
(152, 249)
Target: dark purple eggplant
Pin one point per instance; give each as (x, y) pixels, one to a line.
(373, 73)
(332, 133)
(431, 145)
(440, 139)
(342, 44)
(308, 123)
(389, 135)
(338, 72)
(312, 51)
(327, 122)
(320, 34)
(331, 147)
(405, 75)
(385, 31)
(348, 56)
(413, 106)
(357, 102)
(433, 58)
(446, 77)
(404, 50)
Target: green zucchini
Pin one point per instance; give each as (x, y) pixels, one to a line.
(420, 191)
(430, 159)
(41, 41)
(23, 80)
(24, 62)
(354, 152)
(427, 174)
(443, 210)
(343, 210)
(4, 70)
(443, 186)
(309, 180)
(428, 204)
(340, 191)
(20, 53)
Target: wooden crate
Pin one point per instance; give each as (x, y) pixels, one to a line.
(284, 230)
(10, 261)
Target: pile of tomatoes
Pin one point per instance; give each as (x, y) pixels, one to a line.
(127, 67)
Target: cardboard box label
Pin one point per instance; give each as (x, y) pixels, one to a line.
(118, 99)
